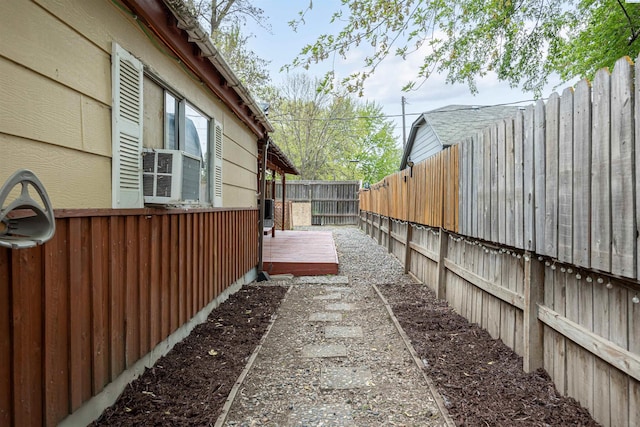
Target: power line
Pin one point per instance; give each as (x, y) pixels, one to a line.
(276, 119)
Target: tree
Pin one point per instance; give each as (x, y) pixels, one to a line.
(216, 14)
(224, 19)
(522, 41)
(251, 69)
(330, 136)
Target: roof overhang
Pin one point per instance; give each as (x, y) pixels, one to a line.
(278, 161)
(174, 25)
(421, 120)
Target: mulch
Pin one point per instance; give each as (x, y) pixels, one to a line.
(189, 386)
(480, 378)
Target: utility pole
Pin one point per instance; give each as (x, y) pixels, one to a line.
(404, 127)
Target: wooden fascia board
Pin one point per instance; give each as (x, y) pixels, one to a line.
(163, 24)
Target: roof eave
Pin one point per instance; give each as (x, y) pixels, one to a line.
(182, 37)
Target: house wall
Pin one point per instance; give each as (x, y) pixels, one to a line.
(55, 87)
(425, 144)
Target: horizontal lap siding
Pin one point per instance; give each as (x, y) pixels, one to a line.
(77, 311)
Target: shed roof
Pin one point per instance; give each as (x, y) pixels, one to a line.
(454, 123)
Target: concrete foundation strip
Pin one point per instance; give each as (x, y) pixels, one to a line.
(436, 395)
(234, 391)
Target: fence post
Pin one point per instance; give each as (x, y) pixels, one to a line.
(442, 255)
(379, 229)
(389, 241)
(533, 331)
(407, 248)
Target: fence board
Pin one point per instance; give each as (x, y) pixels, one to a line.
(509, 187)
(116, 296)
(550, 220)
(26, 294)
(473, 186)
(495, 206)
(540, 177)
(6, 366)
(132, 299)
(623, 229)
(518, 184)
(502, 182)
(582, 174)
(601, 173)
(481, 189)
(144, 274)
(601, 372)
(100, 303)
(165, 286)
(486, 138)
(56, 340)
(565, 178)
(528, 159)
(637, 161)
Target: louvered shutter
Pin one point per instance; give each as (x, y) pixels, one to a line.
(217, 163)
(126, 129)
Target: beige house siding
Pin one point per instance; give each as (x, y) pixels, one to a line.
(55, 100)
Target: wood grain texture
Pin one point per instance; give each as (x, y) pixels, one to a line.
(552, 130)
(623, 226)
(540, 176)
(582, 174)
(509, 186)
(56, 332)
(601, 172)
(528, 160)
(518, 183)
(71, 316)
(565, 178)
(6, 367)
(26, 295)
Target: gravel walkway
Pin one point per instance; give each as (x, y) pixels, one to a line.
(334, 357)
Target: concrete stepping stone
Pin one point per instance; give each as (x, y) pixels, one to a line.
(328, 296)
(322, 280)
(340, 306)
(342, 378)
(338, 415)
(324, 350)
(343, 332)
(341, 289)
(325, 317)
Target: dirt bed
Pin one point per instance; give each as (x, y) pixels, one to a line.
(189, 386)
(480, 378)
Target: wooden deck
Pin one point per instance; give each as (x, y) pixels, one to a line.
(301, 253)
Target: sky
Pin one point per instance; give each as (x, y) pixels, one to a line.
(282, 44)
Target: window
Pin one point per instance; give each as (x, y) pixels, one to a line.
(187, 129)
(173, 124)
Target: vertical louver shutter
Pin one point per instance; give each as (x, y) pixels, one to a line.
(217, 163)
(126, 129)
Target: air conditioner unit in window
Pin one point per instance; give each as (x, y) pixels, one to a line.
(170, 177)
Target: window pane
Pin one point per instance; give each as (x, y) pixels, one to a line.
(196, 135)
(170, 129)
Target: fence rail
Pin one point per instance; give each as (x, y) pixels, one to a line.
(544, 254)
(79, 310)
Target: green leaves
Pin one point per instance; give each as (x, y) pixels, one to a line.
(523, 42)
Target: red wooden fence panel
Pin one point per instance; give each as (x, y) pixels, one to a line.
(109, 286)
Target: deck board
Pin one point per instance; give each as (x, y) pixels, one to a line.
(301, 253)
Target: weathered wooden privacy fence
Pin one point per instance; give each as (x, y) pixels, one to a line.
(108, 288)
(332, 202)
(541, 246)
